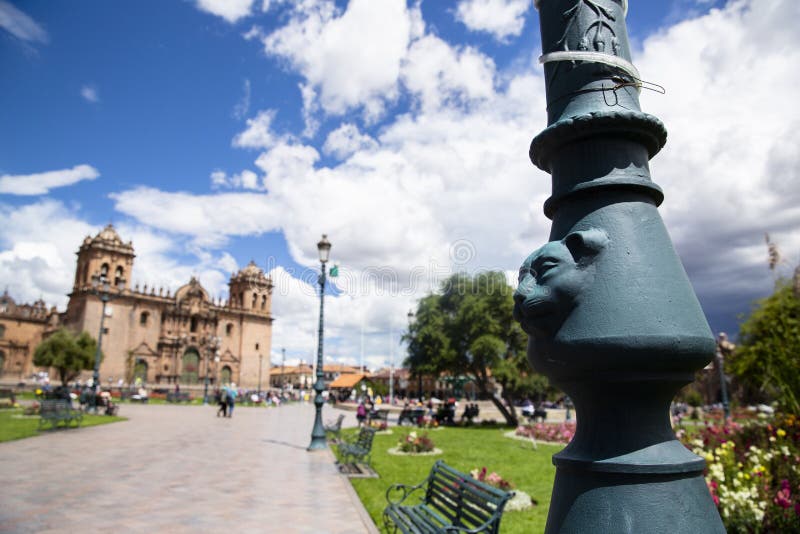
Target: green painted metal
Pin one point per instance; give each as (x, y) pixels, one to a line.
(318, 439)
(611, 316)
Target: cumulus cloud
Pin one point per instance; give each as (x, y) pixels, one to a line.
(327, 49)
(209, 219)
(346, 140)
(41, 183)
(89, 93)
(20, 25)
(500, 18)
(729, 163)
(230, 10)
(440, 74)
(246, 179)
(258, 133)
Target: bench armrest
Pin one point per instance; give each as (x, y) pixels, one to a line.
(405, 488)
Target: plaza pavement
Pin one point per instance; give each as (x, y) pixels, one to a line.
(177, 469)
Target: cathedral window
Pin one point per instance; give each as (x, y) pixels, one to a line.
(229, 329)
(263, 302)
(2, 331)
(143, 318)
(104, 271)
(256, 346)
(193, 325)
(118, 275)
(255, 299)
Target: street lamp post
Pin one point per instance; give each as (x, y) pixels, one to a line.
(419, 373)
(101, 287)
(611, 316)
(318, 441)
(213, 343)
(260, 358)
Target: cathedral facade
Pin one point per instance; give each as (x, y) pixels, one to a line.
(158, 337)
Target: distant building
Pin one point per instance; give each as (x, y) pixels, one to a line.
(152, 335)
(22, 327)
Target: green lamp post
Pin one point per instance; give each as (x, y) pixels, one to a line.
(611, 316)
(318, 440)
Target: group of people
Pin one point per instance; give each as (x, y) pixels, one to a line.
(226, 400)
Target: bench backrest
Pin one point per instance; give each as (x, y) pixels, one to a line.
(463, 500)
(53, 406)
(365, 438)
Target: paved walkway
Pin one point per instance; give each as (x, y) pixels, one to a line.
(180, 469)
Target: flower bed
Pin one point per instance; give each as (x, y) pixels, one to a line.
(753, 472)
(414, 444)
(520, 500)
(551, 432)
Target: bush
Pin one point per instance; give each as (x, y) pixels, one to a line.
(414, 444)
(753, 473)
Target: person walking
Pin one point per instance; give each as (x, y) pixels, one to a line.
(361, 413)
(222, 402)
(231, 398)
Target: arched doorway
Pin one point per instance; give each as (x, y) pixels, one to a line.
(140, 370)
(225, 375)
(190, 366)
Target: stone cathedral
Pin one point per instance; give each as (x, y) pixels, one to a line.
(158, 337)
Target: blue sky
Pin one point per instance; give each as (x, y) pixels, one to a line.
(212, 133)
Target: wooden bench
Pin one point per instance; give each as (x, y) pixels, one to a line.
(336, 427)
(449, 501)
(359, 450)
(412, 415)
(54, 411)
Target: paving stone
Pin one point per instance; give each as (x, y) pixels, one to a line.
(173, 468)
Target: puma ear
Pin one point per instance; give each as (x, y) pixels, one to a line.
(585, 243)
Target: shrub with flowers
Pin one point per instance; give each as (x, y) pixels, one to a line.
(553, 432)
(753, 473)
(493, 479)
(414, 444)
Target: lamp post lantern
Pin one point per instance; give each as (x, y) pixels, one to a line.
(212, 345)
(318, 441)
(101, 287)
(611, 316)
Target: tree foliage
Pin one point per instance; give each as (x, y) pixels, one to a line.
(467, 329)
(67, 353)
(767, 360)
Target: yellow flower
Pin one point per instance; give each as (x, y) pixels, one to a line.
(709, 457)
(781, 432)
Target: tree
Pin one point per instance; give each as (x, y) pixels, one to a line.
(467, 329)
(66, 352)
(766, 361)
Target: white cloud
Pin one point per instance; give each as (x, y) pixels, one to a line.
(230, 10)
(242, 107)
(38, 260)
(328, 50)
(442, 75)
(347, 139)
(732, 152)
(208, 219)
(501, 18)
(246, 179)
(20, 25)
(258, 133)
(89, 93)
(41, 183)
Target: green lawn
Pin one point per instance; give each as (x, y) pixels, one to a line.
(465, 449)
(15, 425)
